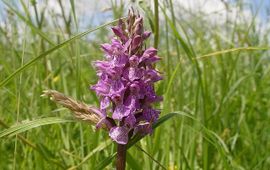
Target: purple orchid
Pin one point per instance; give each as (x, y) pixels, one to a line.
(126, 82)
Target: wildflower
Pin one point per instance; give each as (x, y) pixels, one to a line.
(126, 82)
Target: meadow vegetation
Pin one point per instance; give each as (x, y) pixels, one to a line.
(216, 84)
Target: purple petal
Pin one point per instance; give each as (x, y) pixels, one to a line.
(107, 48)
(104, 102)
(101, 65)
(126, 45)
(105, 122)
(139, 29)
(132, 103)
(146, 34)
(101, 88)
(149, 60)
(119, 33)
(130, 121)
(117, 87)
(149, 56)
(120, 112)
(152, 75)
(134, 88)
(105, 78)
(117, 98)
(116, 44)
(153, 99)
(150, 51)
(134, 61)
(115, 73)
(119, 134)
(150, 95)
(133, 73)
(153, 59)
(150, 115)
(120, 61)
(109, 68)
(136, 41)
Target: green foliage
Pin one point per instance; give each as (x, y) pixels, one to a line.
(32, 124)
(215, 113)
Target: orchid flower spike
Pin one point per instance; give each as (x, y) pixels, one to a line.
(126, 82)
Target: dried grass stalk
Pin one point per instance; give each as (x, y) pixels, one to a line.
(81, 110)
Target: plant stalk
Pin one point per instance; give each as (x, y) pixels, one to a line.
(121, 157)
(156, 33)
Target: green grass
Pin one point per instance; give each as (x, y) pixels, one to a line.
(216, 87)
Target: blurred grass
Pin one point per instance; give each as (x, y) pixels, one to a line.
(215, 75)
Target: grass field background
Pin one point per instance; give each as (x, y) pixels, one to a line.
(215, 64)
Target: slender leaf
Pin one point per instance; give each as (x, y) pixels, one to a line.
(16, 129)
(105, 162)
(216, 53)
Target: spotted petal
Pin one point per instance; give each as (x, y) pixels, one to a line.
(119, 135)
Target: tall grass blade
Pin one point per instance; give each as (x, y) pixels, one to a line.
(17, 129)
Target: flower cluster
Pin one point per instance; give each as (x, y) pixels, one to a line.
(126, 82)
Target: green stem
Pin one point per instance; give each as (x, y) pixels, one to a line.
(156, 37)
